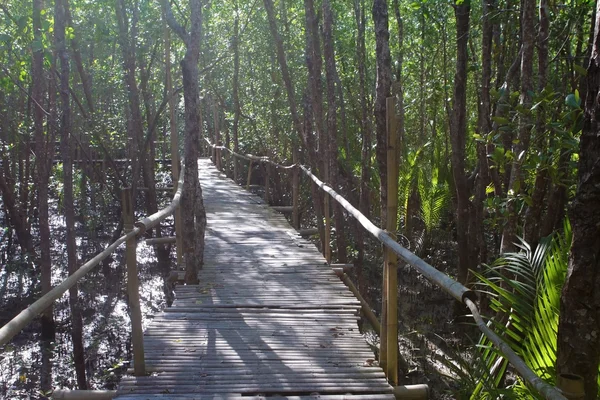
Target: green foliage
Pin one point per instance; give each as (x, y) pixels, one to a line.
(525, 292)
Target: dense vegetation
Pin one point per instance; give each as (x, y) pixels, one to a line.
(490, 98)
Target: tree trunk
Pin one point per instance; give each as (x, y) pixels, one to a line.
(47, 318)
(302, 130)
(330, 69)
(192, 204)
(235, 94)
(382, 92)
(579, 323)
(533, 217)
(68, 203)
(365, 133)
(509, 234)
(458, 132)
(484, 127)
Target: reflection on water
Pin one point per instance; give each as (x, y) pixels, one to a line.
(103, 299)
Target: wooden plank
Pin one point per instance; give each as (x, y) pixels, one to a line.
(268, 318)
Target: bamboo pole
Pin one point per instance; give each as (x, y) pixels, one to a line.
(267, 181)
(161, 240)
(571, 386)
(327, 212)
(60, 394)
(455, 289)
(249, 175)
(308, 231)
(391, 260)
(137, 334)
(412, 392)
(295, 191)
(283, 209)
(24, 318)
(366, 309)
(217, 137)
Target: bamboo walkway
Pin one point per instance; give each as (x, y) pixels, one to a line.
(269, 318)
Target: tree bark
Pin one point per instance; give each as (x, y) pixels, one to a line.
(235, 93)
(365, 133)
(192, 204)
(458, 132)
(382, 92)
(68, 204)
(533, 216)
(579, 323)
(302, 130)
(484, 127)
(509, 234)
(331, 74)
(43, 175)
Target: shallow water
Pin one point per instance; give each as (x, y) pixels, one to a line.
(103, 300)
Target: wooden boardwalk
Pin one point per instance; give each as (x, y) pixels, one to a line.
(269, 318)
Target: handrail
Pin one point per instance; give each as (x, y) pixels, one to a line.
(24, 318)
(457, 290)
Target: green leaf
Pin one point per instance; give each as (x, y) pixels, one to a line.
(500, 120)
(580, 70)
(573, 100)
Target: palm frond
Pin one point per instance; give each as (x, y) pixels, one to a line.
(526, 291)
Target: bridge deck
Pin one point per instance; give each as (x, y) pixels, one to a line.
(269, 318)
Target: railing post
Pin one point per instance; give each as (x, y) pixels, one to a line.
(217, 141)
(295, 189)
(327, 250)
(249, 175)
(391, 259)
(295, 195)
(267, 181)
(137, 334)
(236, 168)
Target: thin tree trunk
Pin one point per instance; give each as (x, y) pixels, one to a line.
(484, 127)
(68, 203)
(85, 79)
(235, 94)
(533, 217)
(458, 132)
(302, 130)
(365, 133)
(47, 318)
(382, 92)
(330, 69)
(509, 234)
(579, 323)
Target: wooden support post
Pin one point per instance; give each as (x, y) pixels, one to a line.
(295, 191)
(571, 386)
(366, 309)
(327, 249)
(236, 167)
(219, 160)
(267, 181)
(217, 137)
(137, 334)
(391, 259)
(249, 175)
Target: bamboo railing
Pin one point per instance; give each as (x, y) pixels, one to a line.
(389, 332)
(132, 232)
